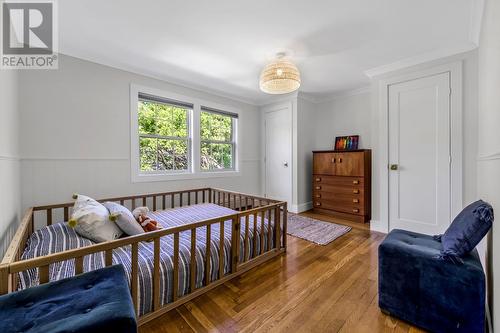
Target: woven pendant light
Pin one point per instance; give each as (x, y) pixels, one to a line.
(280, 76)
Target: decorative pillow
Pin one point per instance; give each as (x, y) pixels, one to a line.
(124, 218)
(466, 230)
(92, 220)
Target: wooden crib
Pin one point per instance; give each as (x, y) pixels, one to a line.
(244, 205)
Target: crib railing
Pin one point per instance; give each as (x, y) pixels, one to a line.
(272, 211)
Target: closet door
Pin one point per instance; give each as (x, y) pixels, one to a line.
(278, 152)
(419, 154)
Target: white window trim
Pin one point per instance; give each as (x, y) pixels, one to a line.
(194, 171)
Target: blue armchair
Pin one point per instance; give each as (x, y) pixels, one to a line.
(417, 285)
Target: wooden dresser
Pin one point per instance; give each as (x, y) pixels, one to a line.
(342, 184)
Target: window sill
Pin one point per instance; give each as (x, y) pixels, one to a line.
(144, 178)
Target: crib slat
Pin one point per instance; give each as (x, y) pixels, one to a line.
(176, 266)
(207, 256)
(78, 265)
(255, 235)
(262, 232)
(66, 214)
(180, 199)
(285, 223)
(235, 244)
(133, 204)
(245, 254)
(134, 274)
(221, 250)
(193, 260)
(49, 216)
(122, 202)
(196, 197)
(163, 202)
(203, 196)
(277, 228)
(154, 203)
(144, 201)
(109, 257)
(172, 200)
(189, 198)
(269, 230)
(44, 273)
(156, 274)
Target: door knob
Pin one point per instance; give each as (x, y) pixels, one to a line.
(394, 167)
(285, 164)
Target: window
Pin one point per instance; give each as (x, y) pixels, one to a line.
(180, 137)
(217, 147)
(164, 142)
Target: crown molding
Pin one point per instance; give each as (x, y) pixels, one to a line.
(273, 99)
(344, 94)
(164, 78)
(420, 59)
(327, 97)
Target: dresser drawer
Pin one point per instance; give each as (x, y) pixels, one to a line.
(336, 189)
(338, 206)
(341, 198)
(340, 181)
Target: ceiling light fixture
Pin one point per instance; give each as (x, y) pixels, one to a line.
(280, 76)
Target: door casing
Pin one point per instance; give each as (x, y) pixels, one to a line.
(456, 84)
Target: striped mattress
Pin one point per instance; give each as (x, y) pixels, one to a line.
(59, 237)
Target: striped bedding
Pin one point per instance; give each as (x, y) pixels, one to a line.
(59, 237)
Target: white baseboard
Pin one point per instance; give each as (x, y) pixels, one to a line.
(301, 207)
(378, 226)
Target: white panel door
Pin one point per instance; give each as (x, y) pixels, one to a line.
(419, 154)
(278, 153)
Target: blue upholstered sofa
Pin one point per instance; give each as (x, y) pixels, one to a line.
(417, 285)
(98, 301)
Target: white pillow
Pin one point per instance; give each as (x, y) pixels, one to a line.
(92, 220)
(124, 218)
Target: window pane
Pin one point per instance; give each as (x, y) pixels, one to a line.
(216, 156)
(158, 122)
(172, 121)
(147, 118)
(215, 127)
(172, 154)
(227, 156)
(148, 154)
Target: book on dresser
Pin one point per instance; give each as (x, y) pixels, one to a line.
(342, 184)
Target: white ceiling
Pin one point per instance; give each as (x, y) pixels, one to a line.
(221, 45)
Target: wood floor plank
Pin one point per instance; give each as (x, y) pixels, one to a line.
(311, 288)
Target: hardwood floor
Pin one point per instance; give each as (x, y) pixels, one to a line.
(312, 288)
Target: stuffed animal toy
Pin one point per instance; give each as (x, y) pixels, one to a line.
(140, 214)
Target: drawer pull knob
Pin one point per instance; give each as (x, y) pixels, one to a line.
(318, 195)
(355, 182)
(355, 191)
(340, 160)
(355, 200)
(318, 179)
(318, 203)
(355, 210)
(318, 187)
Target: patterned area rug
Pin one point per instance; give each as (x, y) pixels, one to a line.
(313, 230)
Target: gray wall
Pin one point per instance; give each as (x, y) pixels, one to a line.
(76, 134)
(10, 196)
(488, 162)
